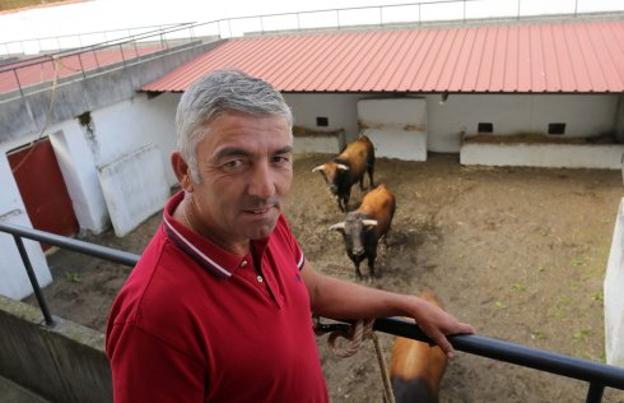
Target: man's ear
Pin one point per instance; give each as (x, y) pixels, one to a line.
(182, 171)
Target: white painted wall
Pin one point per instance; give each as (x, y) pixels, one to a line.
(613, 295)
(318, 144)
(543, 155)
(619, 119)
(396, 126)
(78, 169)
(584, 115)
(340, 109)
(134, 187)
(14, 281)
(132, 124)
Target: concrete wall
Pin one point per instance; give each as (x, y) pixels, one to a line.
(396, 126)
(22, 116)
(78, 169)
(112, 133)
(65, 363)
(619, 120)
(134, 187)
(584, 115)
(613, 295)
(543, 155)
(14, 281)
(340, 109)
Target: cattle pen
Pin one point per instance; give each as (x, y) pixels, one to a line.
(597, 375)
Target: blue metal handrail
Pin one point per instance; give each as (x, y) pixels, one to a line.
(596, 374)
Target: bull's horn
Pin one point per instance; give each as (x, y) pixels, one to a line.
(319, 168)
(335, 227)
(342, 166)
(369, 223)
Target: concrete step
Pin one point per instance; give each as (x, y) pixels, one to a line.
(11, 392)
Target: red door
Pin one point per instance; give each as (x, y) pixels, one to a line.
(43, 189)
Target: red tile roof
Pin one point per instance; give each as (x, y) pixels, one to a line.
(520, 57)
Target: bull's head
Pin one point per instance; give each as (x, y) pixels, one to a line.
(353, 230)
(330, 172)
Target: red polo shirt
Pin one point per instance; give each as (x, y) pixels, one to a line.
(195, 323)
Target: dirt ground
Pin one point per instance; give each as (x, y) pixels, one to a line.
(520, 253)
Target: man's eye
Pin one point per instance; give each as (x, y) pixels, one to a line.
(281, 159)
(233, 164)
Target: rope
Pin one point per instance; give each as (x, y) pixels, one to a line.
(47, 118)
(361, 330)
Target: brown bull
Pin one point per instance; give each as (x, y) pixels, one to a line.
(363, 227)
(417, 368)
(349, 167)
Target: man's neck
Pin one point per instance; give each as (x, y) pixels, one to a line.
(185, 215)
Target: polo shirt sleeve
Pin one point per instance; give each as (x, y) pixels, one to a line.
(148, 369)
(286, 234)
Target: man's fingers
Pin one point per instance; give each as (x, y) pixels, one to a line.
(444, 344)
(464, 328)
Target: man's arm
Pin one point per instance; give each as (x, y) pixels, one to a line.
(339, 299)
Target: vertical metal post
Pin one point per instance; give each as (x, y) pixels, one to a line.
(97, 62)
(594, 394)
(380, 16)
(338, 18)
(464, 10)
(19, 85)
(419, 20)
(575, 7)
(518, 15)
(298, 23)
(84, 75)
(123, 59)
(230, 26)
(136, 49)
(261, 26)
(33, 281)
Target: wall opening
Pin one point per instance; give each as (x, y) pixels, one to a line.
(485, 127)
(322, 121)
(556, 128)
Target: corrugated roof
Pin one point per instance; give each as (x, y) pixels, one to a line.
(528, 57)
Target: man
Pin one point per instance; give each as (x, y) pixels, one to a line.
(219, 306)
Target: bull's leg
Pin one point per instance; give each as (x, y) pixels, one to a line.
(371, 170)
(358, 273)
(371, 265)
(340, 201)
(345, 201)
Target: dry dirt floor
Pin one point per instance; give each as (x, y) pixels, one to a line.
(520, 253)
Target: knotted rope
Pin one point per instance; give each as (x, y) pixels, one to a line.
(359, 331)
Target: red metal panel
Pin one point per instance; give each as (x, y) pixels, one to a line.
(43, 190)
(517, 57)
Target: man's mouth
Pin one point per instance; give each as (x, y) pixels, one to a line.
(258, 211)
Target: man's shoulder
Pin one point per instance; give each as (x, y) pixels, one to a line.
(157, 280)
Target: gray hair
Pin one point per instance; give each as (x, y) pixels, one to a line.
(217, 93)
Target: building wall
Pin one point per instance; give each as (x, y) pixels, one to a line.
(340, 109)
(584, 115)
(14, 280)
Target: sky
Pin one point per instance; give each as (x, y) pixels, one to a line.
(98, 15)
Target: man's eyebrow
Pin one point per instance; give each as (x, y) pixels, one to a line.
(284, 150)
(231, 152)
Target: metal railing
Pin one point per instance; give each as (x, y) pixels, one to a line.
(337, 18)
(58, 43)
(597, 375)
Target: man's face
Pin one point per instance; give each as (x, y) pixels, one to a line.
(245, 166)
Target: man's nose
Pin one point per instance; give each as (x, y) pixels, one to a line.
(261, 182)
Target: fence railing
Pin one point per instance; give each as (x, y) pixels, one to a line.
(597, 375)
(80, 59)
